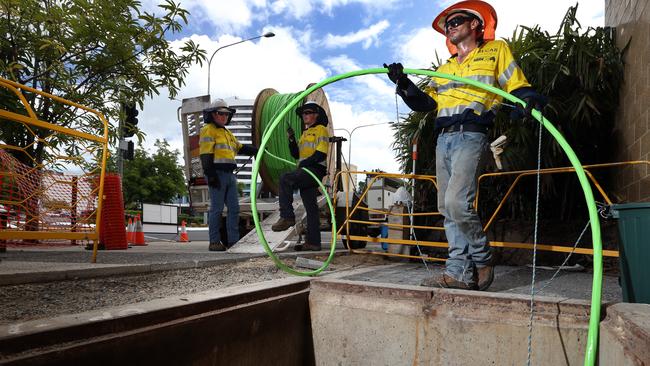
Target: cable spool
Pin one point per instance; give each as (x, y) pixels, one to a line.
(268, 104)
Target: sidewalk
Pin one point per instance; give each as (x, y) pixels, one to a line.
(37, 264)
(41, 264)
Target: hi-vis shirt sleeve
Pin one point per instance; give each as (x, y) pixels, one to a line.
(322, 139)
(509, 75)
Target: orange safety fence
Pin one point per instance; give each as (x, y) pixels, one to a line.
(51, 169)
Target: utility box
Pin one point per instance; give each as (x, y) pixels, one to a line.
(634, 251)
(398, 232)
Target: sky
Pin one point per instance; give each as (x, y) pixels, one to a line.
(316, 39)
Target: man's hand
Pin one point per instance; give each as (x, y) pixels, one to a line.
(291, 134)
(396, 75)
(213, 181)
(533, 100)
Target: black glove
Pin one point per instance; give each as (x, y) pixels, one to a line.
(213, 181)
(532, 99)
(291, 134)
(397, 76)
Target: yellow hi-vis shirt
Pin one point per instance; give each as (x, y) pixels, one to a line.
(492, 64)
(315, 138)
(219, 142)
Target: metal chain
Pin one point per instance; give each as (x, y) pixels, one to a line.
(532, 284)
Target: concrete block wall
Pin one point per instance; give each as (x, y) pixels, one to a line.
(360, 323)
(632, 21)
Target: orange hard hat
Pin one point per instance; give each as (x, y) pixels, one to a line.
(482, 10)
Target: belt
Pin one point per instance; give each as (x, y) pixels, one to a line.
(470, 127)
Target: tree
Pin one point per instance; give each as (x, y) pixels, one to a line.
(95, 53)
(153, 178)
(581, 73)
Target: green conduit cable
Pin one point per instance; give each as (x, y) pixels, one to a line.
(277, 145)
(594, 319)
(278, 148)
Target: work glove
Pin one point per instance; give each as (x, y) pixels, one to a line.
(497, 149)
(533, 100)
(213, 181)
(291, 134)
(396, 75)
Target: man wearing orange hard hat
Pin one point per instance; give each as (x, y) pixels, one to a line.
(464, 115)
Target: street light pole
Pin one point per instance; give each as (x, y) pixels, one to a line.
(265, 35)
(354, 129)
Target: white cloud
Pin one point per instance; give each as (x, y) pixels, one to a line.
(418, 50)
(236, 15)
(367, 37)
(370, 148)
(296, 8)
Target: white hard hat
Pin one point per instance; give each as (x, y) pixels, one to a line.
(219, 105)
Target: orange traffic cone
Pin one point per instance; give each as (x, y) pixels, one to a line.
(129, 232)
(183, 238)
(138, 235)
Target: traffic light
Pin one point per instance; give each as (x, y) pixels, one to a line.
(130, 119)
(129, 152)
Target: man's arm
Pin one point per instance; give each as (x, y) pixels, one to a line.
(314, 159)
(207, 163)
(415, 98)
(249, 150)
(293, 145)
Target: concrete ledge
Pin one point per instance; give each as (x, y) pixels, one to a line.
(362, 323)
(625, 335)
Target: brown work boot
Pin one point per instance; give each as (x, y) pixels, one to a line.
(217, 247)
(447, 282)
(485, 277)
(308, 246)
(283, 224)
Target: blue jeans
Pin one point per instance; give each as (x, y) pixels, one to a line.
(457, 165)
(226, 194)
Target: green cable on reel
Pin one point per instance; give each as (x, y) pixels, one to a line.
(278, 145)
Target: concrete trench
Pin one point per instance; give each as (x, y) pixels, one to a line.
(325, 321)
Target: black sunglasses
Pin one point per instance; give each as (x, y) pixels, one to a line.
(455, 22)
(308, 112)
(222, 113)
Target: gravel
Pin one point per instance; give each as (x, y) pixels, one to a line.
(19, 303)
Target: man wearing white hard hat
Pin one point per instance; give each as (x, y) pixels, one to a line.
(218, 149)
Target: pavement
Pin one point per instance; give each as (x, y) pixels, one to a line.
(40, 264)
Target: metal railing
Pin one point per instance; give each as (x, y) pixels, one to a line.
(51, 188)
(350, 210)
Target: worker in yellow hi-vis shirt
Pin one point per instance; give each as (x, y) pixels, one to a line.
(311, 152)
(464, 115)
(218, 149)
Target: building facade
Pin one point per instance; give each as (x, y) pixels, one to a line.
(631, 18)
(241, 127)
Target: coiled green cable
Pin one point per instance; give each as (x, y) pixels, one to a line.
(277, 144)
